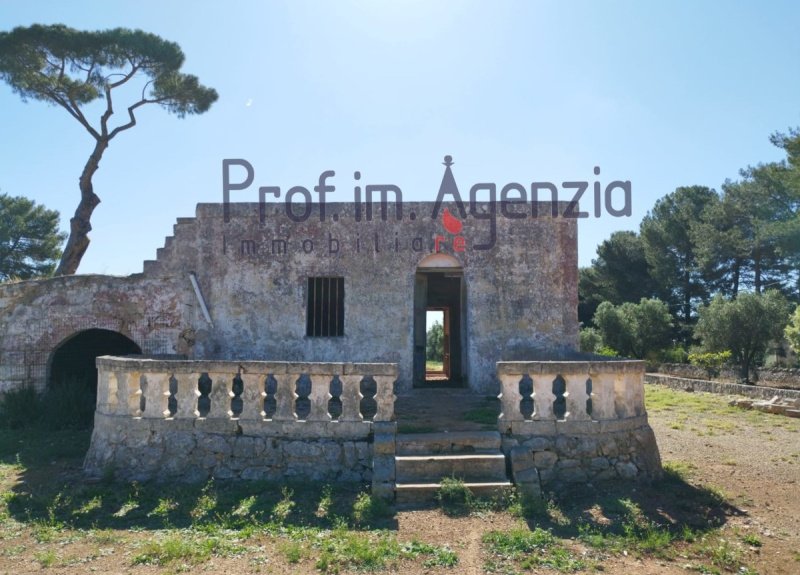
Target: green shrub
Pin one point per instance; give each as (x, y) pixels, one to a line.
(590, 339)
(19, 408)
(606, 351)
(675, 355)
(454, 496)
(368, 508)
(710, 361)
(69, 404)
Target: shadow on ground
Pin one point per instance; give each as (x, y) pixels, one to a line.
(50, 491)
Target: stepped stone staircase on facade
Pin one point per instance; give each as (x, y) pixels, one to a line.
(424, 459)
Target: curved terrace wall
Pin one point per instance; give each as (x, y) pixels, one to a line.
(576, 421)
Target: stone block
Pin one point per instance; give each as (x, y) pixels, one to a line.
(544, 459)
(521, 459)
(539, 443)
(383, 469)
(572, 475)
(216, 444)
(384, 444)
(526, 476)
(383, 490)
(626, 470)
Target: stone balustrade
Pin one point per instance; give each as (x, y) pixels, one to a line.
(210, 391)
(578, 396)
(575, 421)
(191, 420)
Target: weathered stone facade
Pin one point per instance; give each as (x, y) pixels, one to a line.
(519, 297)
(254, 375)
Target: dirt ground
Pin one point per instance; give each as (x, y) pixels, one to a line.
(746, 464)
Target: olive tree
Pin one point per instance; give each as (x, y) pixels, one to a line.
(744, 326)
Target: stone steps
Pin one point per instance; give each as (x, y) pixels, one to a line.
(423, 460)
(448, 442)
(430, 468)
(417, 493)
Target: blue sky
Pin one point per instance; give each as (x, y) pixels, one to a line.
(661, 94)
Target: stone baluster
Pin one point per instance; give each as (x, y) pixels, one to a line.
(187, 395)
(384, 397)
(543, 397)
(576, 396)
(351, 398)
(253, 396)
(621, 405)
(635, 385)
(220, 396)
(106, 391)
(319, 397)
(133, 394)
(510, 399)
(285, 397)
(603, 397)
(156, 396)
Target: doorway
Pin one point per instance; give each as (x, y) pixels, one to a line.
(438, 328)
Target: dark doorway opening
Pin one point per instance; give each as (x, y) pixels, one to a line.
(439, 294)
(73, 361)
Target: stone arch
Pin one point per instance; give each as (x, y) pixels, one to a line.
(74, 358)
(439, 261)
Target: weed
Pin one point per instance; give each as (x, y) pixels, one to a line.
(537, 548)
(367, 509)
(283, 508)
(482, 415)
(752, 540)
(185, 548)
(45, 558)
(350, 550)
(325, 502)
(294, 551)
(454, 496)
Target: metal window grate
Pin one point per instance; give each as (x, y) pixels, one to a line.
(325, 307)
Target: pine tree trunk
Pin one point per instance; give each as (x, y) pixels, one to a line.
(80, 224)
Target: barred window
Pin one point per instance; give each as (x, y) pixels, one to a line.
(325, 307)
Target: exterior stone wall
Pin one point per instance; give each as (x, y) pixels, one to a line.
(520, 293)
(585, 421)
(158, 314)
(780, 377)
(686, 384)
(158, 420)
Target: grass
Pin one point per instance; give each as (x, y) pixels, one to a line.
(434, 366)
(708, 414)
(530, 549)
(186, 548)
(45, 508)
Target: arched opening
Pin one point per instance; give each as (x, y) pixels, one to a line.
(72, 363)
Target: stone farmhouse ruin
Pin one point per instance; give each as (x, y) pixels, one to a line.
(263, 344)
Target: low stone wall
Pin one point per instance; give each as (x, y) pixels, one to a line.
(721, 387)
(573, 422)
(195, 420)
(787, 378)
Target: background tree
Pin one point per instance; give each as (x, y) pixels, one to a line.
(670, 248)
(619, 274)
(434, 343)
(792, 332)
(744, 326)
(635, 330)
(71, 69)
(29, 239)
